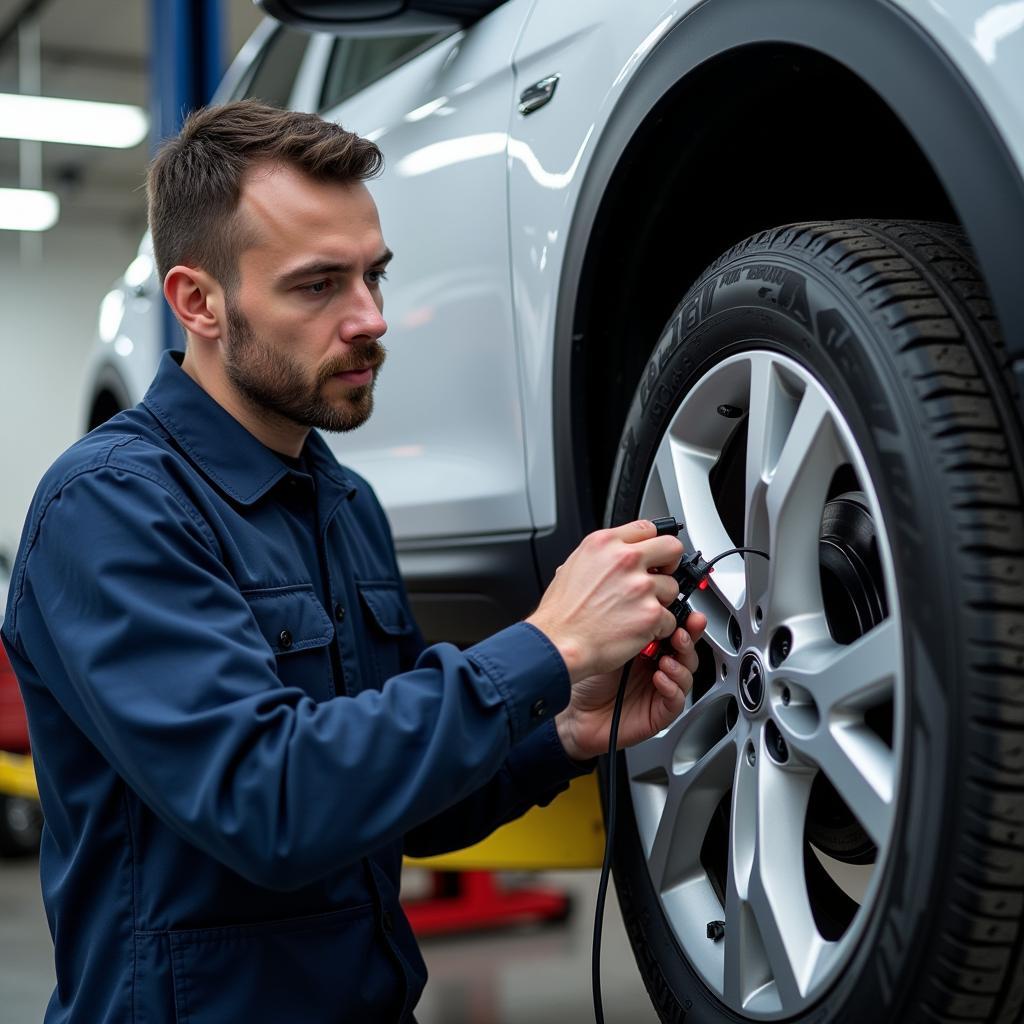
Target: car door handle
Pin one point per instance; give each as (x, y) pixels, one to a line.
(537, 95)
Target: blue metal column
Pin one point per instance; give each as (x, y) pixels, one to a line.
(186, 64)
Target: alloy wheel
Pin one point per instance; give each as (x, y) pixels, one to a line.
(766, 809)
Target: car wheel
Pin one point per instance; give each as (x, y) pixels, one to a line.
(833, 829)
(21, 824)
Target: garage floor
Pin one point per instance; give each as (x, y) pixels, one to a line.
(539, 975)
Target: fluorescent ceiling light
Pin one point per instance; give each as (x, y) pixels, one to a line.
(25, 209)
(80, 122)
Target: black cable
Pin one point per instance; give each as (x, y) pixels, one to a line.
(734, 551)
(610, 802)
(606, 866)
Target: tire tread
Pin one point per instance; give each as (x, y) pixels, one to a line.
(920, 281)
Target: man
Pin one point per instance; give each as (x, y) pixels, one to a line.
(237, 730)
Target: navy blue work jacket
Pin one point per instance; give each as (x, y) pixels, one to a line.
(237, 731)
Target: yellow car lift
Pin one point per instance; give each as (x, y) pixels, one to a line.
(568, 833)
(16, 776)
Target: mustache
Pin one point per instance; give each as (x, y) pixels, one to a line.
(370, 356)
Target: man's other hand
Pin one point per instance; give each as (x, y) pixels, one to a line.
(654, 698)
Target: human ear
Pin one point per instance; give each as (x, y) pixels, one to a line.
(193, 297)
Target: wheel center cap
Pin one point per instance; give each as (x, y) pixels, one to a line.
(751, 683)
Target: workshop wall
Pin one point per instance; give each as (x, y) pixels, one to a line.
(51, 284)
(48, 323)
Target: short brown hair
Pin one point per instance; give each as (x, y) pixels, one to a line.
(195, 181)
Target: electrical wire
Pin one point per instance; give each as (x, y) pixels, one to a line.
(602, 887)
(610, 804)
(734, 551)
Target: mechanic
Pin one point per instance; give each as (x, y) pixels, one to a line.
(237, 729)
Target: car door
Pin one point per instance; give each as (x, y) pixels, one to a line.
(444, 448)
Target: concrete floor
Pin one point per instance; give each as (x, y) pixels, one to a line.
(537, 975)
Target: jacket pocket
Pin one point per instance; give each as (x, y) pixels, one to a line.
(299, 632)
(324, 968)
(389, 621)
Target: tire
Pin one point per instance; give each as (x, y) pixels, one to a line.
(21, 825)
(861, 365)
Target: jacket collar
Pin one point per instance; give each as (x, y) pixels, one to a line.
(218, 445)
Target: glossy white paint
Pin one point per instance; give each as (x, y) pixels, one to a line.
(985, 41)
(128, 329)
(476, 201)
(444, 448)
(595, 48)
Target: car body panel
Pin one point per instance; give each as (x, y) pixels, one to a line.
(447, 123)
(595, 50)
(601, 52)
(985, 41)
(444, 448)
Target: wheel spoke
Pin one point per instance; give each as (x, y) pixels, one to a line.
(794, 499)
(705, 530)
(859, 765)
(686, 740)
(770, 931)
(848, 677)
(718, 612)
(692, 798)
(769, 415)
(665, 476)
(680, 486)
(763, 428)
(746, 963)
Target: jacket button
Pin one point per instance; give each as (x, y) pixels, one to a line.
(284, 638)
(339, 613)
(539, 708)
(387, 922)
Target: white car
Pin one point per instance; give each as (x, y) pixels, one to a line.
(754, 263)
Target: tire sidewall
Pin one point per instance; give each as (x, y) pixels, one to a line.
(765, 300)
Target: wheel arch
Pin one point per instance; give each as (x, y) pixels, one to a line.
(729, 90)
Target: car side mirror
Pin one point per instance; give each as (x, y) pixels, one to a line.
(413, 15)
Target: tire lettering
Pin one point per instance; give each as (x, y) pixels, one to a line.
(665, 352)
(766, 272)
(690, 316)
(707, 297)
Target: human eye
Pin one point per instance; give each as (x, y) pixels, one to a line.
(377, 276)
(316, 287)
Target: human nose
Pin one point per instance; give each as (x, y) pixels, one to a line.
(364, 318)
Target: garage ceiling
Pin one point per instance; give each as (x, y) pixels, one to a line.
(96, 50)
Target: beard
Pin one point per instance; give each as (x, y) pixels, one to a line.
(275, 383)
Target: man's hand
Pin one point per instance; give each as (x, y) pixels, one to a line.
(605, 603)
(654, 698)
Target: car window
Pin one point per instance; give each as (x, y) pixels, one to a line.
(275, 69)
(356, 61)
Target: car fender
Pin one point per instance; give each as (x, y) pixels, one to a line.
(954, 85)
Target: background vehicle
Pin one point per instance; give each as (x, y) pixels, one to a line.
(834, 828)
